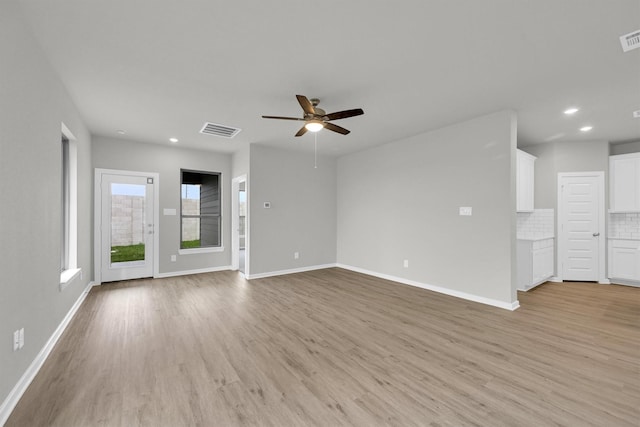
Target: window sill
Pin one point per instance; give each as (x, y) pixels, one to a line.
(67, 276)
(200, 250)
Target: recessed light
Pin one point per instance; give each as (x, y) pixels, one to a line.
(174, 140)
(571, 111)
(121, 131)
(586, 128)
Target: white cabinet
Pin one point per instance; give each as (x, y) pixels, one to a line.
(525, 166)
(535, 262)
(624, 261)
(624, 183)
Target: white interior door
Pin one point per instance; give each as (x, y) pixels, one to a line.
(581, 223)
(126, 227)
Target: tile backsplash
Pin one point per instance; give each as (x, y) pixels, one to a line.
(624, 226)
(540, 222)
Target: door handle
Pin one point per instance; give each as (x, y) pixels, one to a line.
(596, 234)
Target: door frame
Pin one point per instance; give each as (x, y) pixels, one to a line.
(602, 254)
(97, 218)
(235, 235)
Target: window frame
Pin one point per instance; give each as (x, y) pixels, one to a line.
(69, 209)
(202, 249)
(65, 205)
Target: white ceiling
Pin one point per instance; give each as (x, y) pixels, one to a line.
(160, 69)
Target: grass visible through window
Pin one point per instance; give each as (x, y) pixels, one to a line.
(187, 244)
(127, 253)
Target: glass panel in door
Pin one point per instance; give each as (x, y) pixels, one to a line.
(127, 222)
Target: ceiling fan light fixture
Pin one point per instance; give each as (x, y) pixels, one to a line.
(314, 125)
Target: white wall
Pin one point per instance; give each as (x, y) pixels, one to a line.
(302, 217)
(111, 153)
(400, 201)
(33, 104)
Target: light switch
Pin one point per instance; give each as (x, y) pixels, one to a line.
(466, 210)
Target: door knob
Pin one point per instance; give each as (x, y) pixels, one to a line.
(596, 234)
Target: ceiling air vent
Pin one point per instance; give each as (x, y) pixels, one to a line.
(630, 41)
(219, 130)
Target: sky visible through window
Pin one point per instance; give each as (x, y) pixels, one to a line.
(127, 189)
(191, 191)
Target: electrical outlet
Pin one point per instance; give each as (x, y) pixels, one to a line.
(21, 338)
(296, 255)
(406, 263)
(173, 258)
(16, 340)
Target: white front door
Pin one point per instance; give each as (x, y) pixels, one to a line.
(126, 226)
(580, 226)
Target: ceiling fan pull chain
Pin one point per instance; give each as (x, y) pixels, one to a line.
(315, 151)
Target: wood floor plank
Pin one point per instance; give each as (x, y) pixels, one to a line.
(338, 348)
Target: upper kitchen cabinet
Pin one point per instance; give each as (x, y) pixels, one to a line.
(624, 181)
(524, 181)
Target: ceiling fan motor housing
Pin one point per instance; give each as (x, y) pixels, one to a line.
(319, 111)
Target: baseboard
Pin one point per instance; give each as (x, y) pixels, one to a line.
(451, 292)
(604, 282)
(625, 282)
(18, 390)
(555, 279)
(291, 271)
(197, 271)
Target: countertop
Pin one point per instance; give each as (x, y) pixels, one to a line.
(534, 237)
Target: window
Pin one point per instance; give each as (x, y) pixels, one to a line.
(66, 208)
(200, 210)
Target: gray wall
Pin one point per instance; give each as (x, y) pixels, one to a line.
(554, 158)
(108, 153)
(240, 162)
(625, 148)
(400, 201)
(33, 103)
(302, 217)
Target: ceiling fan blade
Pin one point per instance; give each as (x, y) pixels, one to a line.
(281, 118)
(302, 131)
(344, 114)
(306, 105)
(336, 128)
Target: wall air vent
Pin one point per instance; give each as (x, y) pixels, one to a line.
(219, 130)
(630, 41)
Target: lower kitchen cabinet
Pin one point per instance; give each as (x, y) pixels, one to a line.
(535, 262)
(624, 261)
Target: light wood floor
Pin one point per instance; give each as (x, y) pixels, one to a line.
(333, 348)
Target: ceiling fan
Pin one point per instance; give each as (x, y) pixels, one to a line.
(316, 118)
